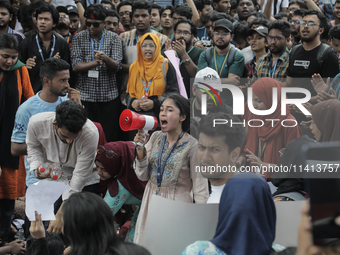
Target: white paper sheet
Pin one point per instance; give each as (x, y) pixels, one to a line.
(172, 226)
(41, 196)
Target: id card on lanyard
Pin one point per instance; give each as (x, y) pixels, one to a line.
(40, 50)
(95, 73)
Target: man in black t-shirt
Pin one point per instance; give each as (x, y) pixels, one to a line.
(304, 63)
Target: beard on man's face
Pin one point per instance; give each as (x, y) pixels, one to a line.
(62, 25)
(187, 43)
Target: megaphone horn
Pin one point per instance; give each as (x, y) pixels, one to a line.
(130, 120)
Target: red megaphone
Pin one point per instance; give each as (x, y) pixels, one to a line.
(130, 120)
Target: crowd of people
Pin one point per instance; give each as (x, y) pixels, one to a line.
(69, 68)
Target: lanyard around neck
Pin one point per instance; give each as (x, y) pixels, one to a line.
(225, 59)
(40, 50)
(161, 167)
(146, 88)
(261, 150)
(100, 45)
(68, 150)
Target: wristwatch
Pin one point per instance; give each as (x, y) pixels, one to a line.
(187, 61)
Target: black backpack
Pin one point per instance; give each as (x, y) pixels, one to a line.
(230, 60)
(324, 48)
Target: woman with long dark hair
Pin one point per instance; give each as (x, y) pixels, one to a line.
(164, 161)
(15, 86)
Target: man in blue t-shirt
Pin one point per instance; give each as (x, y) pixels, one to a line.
(54, 75)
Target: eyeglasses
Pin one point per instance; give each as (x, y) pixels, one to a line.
(296, 22)
(275, 38)
(223, 34)
(180, 32)
(122, 14)
(150, 46)
(94, 24)
(63, 16)
(309, 23)
(292, 9)
(109, 153)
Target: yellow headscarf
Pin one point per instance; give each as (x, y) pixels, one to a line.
(146, 69)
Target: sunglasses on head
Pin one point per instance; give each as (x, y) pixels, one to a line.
(94, 24)
(109, 154)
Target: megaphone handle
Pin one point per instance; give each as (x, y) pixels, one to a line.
(145, 132)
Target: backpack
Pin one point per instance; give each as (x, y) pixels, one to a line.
(230, 59)
(319, 56)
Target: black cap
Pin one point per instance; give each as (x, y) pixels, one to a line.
(72, 9)
(225, 23)
(62, 9)
(261, 30)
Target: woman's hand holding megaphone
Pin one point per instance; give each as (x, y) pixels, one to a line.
(141, 138)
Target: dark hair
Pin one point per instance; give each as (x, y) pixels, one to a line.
(51, 66)
(255, 3)
(192, 25)
(123, 3)
(141, 5)
(89, 225)
(337, 2)
(233, 4)
(131, 249)
(194, 128)
(6, 4)
(280, 15)
(112, 14)
(98, 11)
(300, 12)
(168, 7)
(299, 3)
(55, 245)
(201, 3)
(48, 8)
(322, 18)
(24, 15)
(335, 32)
(113, 7)
(258, 21)
(35, 5)
(183, 105)
(281, 25)
(327, 28)
(241, 30)
(9, 41)
(184, 10)
(70, 115)
(234, 134)
(158, 7)
(258, 15)
(220, 15)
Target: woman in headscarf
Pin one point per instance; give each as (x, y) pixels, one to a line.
(15, 86)
(118, 181)
(152, 77)
(246, 220)
(326, 121)
(263, 143)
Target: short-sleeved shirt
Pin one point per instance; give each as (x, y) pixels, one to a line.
(31, 107)
(203, 247)
(304, 64)
(236, 68)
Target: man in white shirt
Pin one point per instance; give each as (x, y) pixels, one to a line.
(65, 137)
(218, 149)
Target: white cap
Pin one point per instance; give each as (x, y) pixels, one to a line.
(208, 76)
